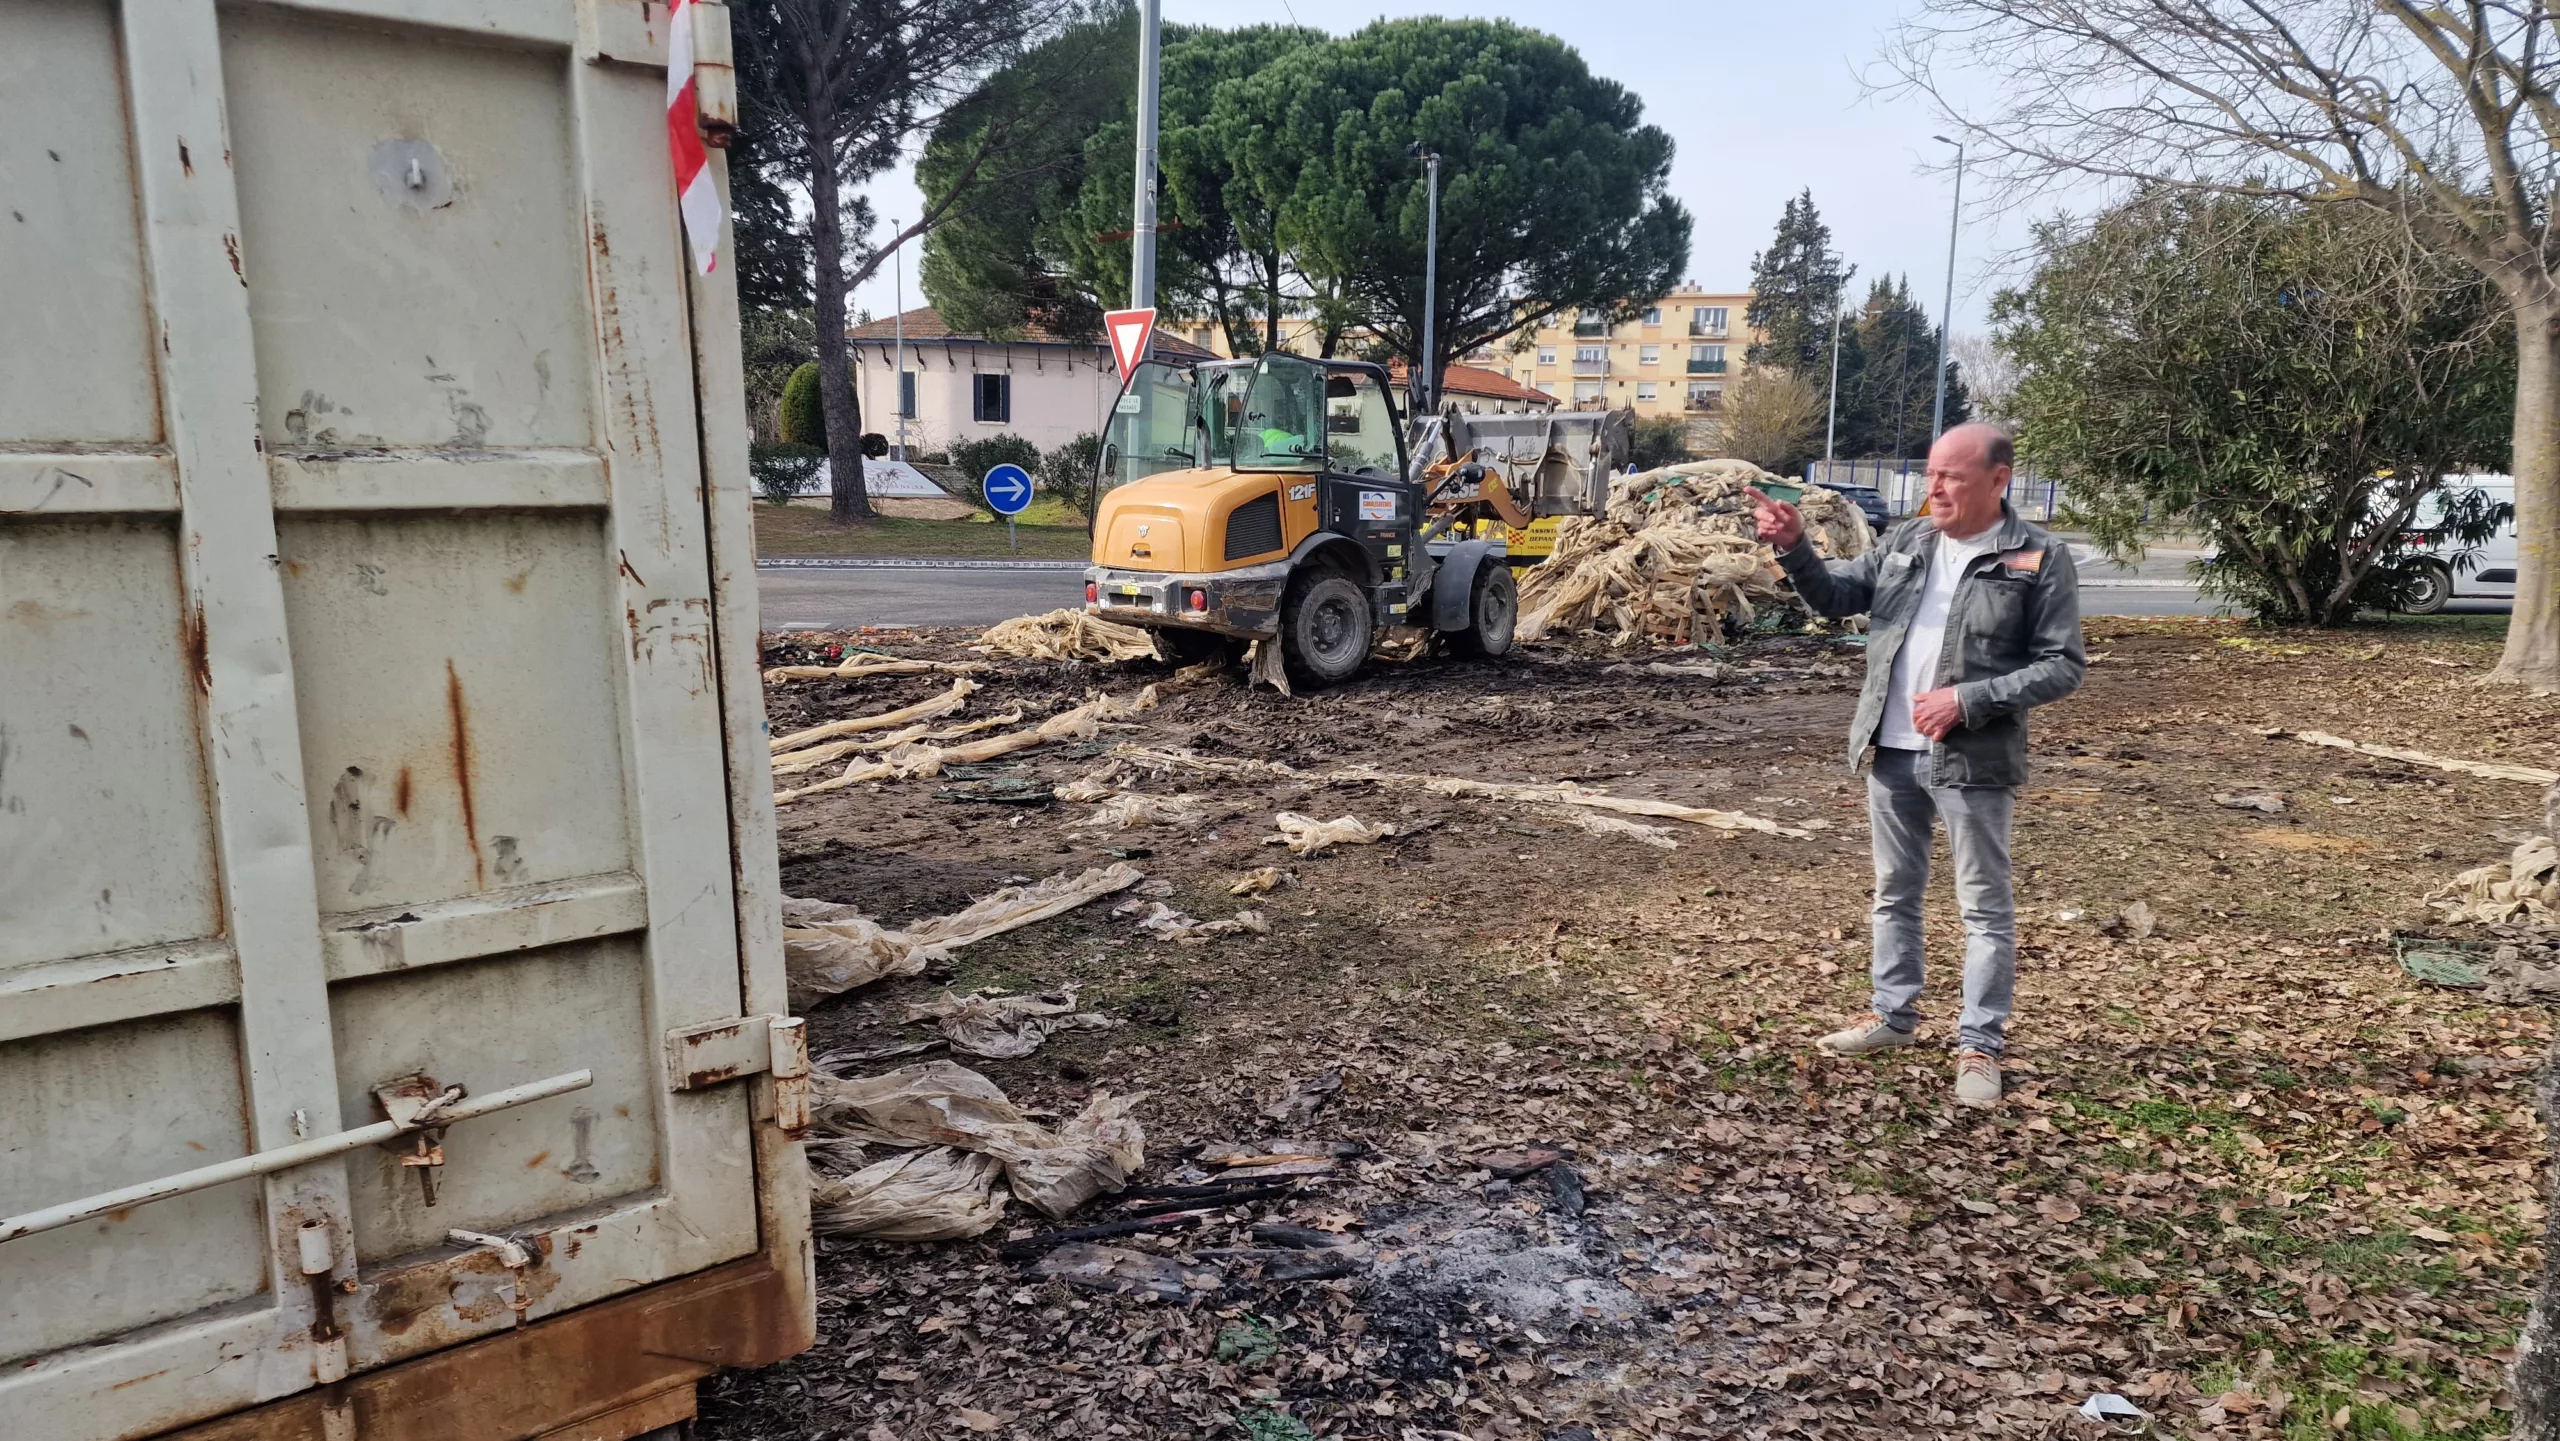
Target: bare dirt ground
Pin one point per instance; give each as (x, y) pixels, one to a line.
(2249, 1173)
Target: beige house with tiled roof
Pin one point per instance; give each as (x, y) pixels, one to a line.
(1486, 392)
(961, 387)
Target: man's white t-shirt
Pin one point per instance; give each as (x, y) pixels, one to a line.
(1915, 666)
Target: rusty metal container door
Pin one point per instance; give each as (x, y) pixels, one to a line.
(364, 717)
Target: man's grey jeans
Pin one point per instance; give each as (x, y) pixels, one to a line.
(1901, 802)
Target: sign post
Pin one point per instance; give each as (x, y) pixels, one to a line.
(1008, 492)
(1132, 332)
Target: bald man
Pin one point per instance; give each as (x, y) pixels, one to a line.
(1974, 619)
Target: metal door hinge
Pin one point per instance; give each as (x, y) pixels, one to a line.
(714, 1052)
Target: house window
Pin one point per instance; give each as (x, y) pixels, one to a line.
(1648, 390)
(1653, 315)
(1706, 360)
(1547, 388)
(906, 395)
(991, 398)
(1703, 394)
(1546, 355)
(1590, 323)
(1708, 320)
(1648, 355)
(1587, 390)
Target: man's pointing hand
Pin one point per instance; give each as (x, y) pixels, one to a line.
(1780, 524)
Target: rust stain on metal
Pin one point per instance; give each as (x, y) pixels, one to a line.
(400, 793)
(538, 1158)
(461, 712)
(627, 570)
(231, 248)
(515, 582)
(633, 1359)
(138, 1380)
(191, 638)
(186, 161)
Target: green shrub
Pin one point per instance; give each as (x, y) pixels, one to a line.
(804, 415)
(974, 458)
(1067, 472)
(784, 470)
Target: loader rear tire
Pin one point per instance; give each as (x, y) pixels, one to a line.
(1325, 627)
(1493, 613)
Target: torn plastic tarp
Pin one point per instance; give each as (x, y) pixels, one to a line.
(1003, 1027)
(942, 1194)
(794, 762)
(919, 759)
(1130, 810)
(1068, 635)
(1167, 924)
(1306, 836)
(829, 949)
(941, 705)
(858, 664)
(942, 1103)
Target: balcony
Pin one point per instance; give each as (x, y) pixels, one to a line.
(1597, 366)
(1701, 404)
(1708, 332)
(1706, 367)
(1589, 329)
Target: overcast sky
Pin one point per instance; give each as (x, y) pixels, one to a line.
(1762, 98)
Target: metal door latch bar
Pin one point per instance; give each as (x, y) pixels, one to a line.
(285, 1158)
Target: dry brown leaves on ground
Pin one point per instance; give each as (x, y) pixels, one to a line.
(2250, 1174)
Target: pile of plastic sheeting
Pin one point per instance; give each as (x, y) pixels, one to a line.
(1307, 836)
(1004, 1027)
(1675, 556)
(923, 758)
(2523, 889)
(955, 1121)
(829, 949)
(1067, 635)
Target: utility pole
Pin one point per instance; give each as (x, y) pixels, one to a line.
(1142, 207)
(1426, 384)
(1946, 311)
(898, 384)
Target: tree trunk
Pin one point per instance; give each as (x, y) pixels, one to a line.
(849, 500)
(2532, 655)
(2535, 1379)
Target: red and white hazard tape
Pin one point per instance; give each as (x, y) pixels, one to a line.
(696, 195)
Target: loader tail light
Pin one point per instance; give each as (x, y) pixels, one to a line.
(1200, 601)
(1092, 593)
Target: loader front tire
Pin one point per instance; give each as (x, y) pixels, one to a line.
(1493, 613)
(1325, 627)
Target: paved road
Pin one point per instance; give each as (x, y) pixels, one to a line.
(840, 597)
(834, 597)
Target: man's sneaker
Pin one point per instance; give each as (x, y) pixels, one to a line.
(1977, 1078)
(1864, 1036)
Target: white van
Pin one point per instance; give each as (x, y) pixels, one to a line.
(2445, 573)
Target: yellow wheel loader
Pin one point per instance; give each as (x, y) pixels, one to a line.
(1276, 499)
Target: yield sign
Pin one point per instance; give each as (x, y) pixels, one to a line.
(1130, 330)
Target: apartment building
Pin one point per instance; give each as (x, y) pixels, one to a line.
(1674, 359)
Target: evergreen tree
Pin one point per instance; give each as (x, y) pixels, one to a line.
(1888, 377)
(1796, 285)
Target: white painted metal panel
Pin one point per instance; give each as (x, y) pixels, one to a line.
(77, 366)
(363, 714)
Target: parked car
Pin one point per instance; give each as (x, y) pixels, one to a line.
(1869, 500)
(2445, 571)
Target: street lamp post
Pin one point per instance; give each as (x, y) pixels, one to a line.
(1946, 310)
(898, 306)
(1142, 208)
(1426, 378)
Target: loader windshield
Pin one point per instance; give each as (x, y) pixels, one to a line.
(1284, 416)
(1150, 430)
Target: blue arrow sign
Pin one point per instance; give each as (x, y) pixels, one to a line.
(1008, 490)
